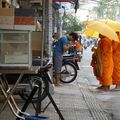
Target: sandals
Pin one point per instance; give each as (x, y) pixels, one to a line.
(100, 87)
(116, 89)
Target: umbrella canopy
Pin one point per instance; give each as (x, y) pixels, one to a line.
(91, 33)
(88, 22)
(103, 29)
(113, 24)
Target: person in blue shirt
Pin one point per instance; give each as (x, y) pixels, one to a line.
(61, 46)
(55, 37)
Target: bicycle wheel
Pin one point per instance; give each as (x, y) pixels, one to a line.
(68, 72)
(29, 82)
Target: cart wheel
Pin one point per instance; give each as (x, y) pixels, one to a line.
(31, 81)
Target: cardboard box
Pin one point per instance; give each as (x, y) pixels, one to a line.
(7, 11)
(17, 19)
(36, 38)
(6, 18)
(7, 22)
(3, 26)
(0, 3)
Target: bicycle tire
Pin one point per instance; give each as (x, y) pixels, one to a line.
(68, 72)
(31, 81)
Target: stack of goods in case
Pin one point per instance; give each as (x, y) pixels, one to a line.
(6, 18)
(24, 19)
(17, 19)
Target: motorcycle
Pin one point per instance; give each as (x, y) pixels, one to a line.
(73, 56)
(68, 71)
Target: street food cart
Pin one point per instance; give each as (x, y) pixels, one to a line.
(17, 33)
(20, 42)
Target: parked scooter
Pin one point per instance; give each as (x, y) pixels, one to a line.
(72, 59)
(73, 56)
(68, 70)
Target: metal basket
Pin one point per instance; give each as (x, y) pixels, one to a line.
(35, 118)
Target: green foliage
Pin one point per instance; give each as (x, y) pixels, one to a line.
(71, 23)
(107, 9)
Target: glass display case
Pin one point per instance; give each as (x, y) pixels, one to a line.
(15, 49)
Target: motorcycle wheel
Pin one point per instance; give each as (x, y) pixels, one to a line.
(68, 72)
(30, 82)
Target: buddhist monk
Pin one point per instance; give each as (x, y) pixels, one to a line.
(116, 61)
(104, 62)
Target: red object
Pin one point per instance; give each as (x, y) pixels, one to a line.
(21, 20)
(62, 0)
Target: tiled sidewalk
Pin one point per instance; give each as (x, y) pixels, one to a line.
(76, 101)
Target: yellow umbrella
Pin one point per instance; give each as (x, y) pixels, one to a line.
(91, 33)
(88, 22)
(103, 29)
(113, 24)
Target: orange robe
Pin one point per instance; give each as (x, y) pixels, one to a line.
(94, 63)
(78, 46)
(105, 54)
(116, 61)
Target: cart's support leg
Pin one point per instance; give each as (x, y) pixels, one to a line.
(46, 107)
(11, 92)
(38, 106)
(28, 101)
(11, 105)
(55, 106)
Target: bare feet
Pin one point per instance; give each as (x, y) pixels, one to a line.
(117, 88)
(106, 88)
(57, 83)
